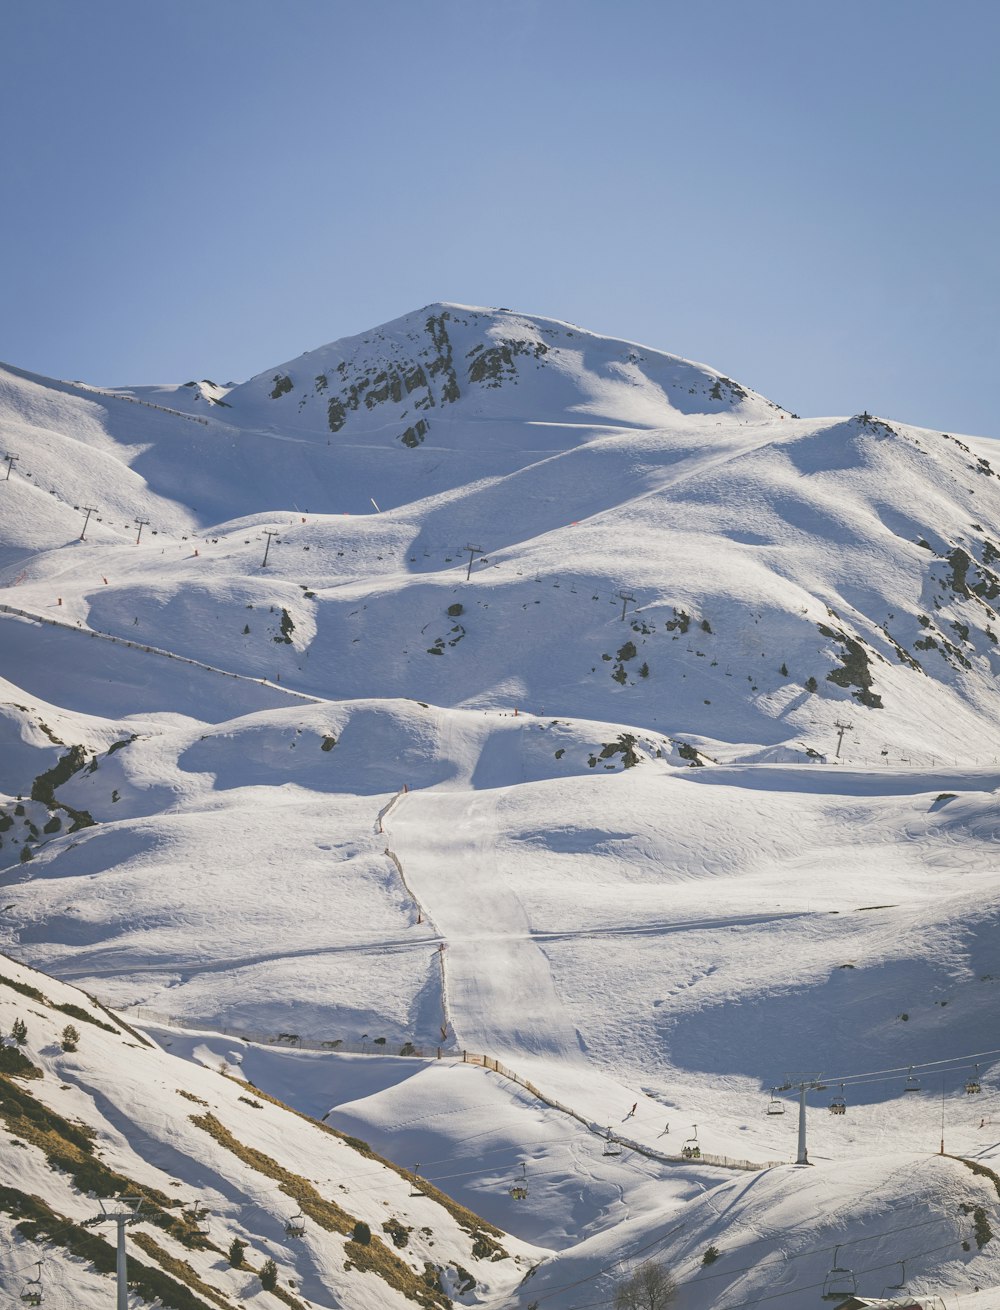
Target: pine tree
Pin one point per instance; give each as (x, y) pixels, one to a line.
(236, 1249)
(70, 1038)
(269, 1275)
(19, 1032)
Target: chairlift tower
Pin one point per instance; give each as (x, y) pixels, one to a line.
(805, 1083)
(841, 729)
(268, 533)
(473, 552)
(126, 1212)
(88, 510)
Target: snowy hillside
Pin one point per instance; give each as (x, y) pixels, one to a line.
(92, 1110)
(480, 684)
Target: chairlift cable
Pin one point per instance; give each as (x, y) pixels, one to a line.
(927, 1064)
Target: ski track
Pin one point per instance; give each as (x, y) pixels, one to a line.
(501, 996)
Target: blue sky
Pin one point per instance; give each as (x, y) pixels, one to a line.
(802, 194)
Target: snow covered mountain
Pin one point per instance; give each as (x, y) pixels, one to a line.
(480, 683)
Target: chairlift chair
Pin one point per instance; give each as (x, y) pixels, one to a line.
(691, 1150)
(840, 1282)
(894, 1290)
(838, 1104)
(774, 1106)
(611, 1144)
(973, 1087)
(518, 1190)
(296, 1226)
(912, 1083)
(415, 1186)
(31, 1292)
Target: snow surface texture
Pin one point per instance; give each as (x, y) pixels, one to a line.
(699, 763)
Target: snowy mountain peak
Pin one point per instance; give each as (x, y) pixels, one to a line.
(395, 383)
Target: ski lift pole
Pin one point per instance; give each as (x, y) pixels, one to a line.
(126, 1213)
(942, 1114)
(803, 1155)
(804, 1085)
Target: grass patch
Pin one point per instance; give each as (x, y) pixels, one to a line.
(180, 1269)
(373, 1257)
(74, 1011)
(190, 1096)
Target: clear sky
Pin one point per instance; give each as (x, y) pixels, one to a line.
(801, 193)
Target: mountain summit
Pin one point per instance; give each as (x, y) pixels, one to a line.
(446, 363)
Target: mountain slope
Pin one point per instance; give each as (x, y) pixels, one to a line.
(614, 723)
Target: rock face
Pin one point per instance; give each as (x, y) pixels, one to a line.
(395, 378)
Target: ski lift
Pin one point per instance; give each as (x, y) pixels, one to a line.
(611, 1144)
(296, 1226)
(691, 1150)
(774, 1106)
(896, 1289)
(518, 1190)
(415, 1185)
(838, 1104)
(197, 1218)
(912, 1083)
(973, 1087)
(31, 1292)
(840, 1282)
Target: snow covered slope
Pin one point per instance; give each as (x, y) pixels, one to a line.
(91, 1110)
(479, 683)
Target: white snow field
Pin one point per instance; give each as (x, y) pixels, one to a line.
(593, 720)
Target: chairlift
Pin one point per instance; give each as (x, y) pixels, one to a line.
(838, 1103)
(296, 1226)
(415, 1185)
(774, 1105)
(840, 1282)
(518, 1190)
(31, 1292)
(197, 1218)
(691, 1150)
(912, 1083)
(894, 1290)
(973, 1087)
(611, 1144)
